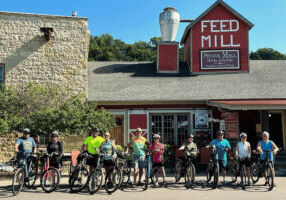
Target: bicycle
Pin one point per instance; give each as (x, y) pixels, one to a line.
(266, 167)
(188, 171)
(95, 179)
(213, 166)
(126, 168)
(79, 177)
(50, 178)
(26, 173)
(113, 177)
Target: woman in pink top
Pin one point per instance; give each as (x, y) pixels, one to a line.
(157, 150)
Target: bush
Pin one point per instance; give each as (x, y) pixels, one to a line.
(44, 109)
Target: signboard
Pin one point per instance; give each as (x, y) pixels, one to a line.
(231, 125)
(201, 120)
(219, 59)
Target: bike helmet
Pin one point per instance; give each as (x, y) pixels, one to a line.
(191, 136)
(55, 134)
(242, 135)
(156, 136)
(26, 131)
(220, 132)
(95, 130)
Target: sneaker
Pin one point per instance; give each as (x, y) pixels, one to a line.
(139, 183)
(156, 183)
(224, 182)
(164, 184)
(249, 183)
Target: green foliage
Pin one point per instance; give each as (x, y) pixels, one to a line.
(105, 48)
(44, 109)
(267, 54)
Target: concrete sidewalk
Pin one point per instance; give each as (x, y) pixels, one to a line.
(174, 191)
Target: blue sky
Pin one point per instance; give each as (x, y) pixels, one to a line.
(134, 20)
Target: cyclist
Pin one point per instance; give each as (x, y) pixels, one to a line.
(92, 143)
(243, 151)
(222, 146)
(25, 145)
(138, 142)
(264, 145)
(107, 148)
(190, 145)
(56, 147)
(157, 150)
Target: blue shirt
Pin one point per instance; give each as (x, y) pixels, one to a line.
(25, 146)
(106, 149)
(267, 146)
(221, 145)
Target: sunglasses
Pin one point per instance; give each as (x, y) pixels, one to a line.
(107, 135)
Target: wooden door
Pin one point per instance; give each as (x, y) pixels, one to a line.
(117, 132)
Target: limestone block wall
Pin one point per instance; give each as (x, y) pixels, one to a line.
(28, 56)
(7, 142)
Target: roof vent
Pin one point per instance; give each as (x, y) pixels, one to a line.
(169, 22)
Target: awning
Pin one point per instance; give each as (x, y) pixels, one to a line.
(264, 104)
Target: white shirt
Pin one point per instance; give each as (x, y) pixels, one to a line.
(243, 149)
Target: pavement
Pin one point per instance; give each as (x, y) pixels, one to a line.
(174, 191)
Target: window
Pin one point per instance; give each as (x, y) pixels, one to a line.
(174, 128)
(2, 73)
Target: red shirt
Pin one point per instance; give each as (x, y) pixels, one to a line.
(157, 152)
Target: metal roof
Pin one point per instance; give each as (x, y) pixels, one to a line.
(138, 82)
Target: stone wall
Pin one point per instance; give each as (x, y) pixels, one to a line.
(7, 142)
(71, 142)
(28, 56)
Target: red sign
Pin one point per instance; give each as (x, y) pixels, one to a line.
(231, 125)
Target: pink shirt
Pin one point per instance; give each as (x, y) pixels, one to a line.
(157, 152)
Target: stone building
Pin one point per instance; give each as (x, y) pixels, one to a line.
(44, 49)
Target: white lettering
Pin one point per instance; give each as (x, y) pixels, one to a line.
(223, 25)
(203, 25)
(215, 40)
(222, 44)
(231, 22)
(214, 26)
(231, 42)
(206, 38)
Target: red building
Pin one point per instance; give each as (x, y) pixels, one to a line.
(216, 87)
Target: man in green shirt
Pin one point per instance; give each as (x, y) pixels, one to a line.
(90, 144)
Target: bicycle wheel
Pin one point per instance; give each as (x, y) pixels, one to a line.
(254, 172)
(126, 173)
(234, 172)
(178, 169)
(210, 171)
(146, 176)
(270, 176)
(50, 180)
(18, 181)
(216, 175)
(33, 172)
(190, 176)
(78, 179)
(113, 180)
(243, 176)
(95, 181)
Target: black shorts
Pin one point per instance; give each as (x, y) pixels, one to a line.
(56, 161)
(221, 165)
(160, 164)
(92, 160)
(108, 163)
(245, 161)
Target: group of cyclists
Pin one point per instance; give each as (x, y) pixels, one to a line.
(96, 144)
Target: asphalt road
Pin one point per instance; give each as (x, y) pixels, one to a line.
(174, 191)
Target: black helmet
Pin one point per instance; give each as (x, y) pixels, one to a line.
(220, 132)
(95, 130)
(55, 134)
(26, 131)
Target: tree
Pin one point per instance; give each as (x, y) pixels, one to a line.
(267, 54)
(45, 108)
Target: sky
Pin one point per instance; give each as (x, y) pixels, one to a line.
(138, 20)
